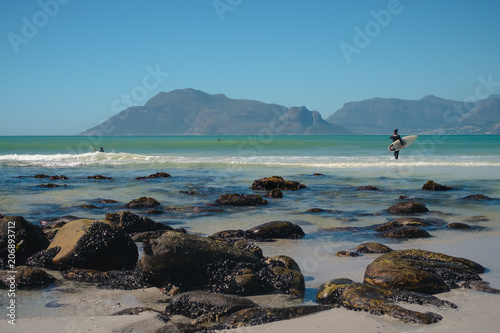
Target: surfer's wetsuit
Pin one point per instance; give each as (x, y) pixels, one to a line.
(395, 137)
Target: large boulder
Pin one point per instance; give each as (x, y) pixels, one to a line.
(94, 244)
(133, 223)
(276, 182)
(174, 250)
(21, 235)
(422, 271)
(378, 300)
(194, 262)
(187, 259)
(408, 208)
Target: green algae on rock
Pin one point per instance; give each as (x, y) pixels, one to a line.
(420, 270)
(378, 300)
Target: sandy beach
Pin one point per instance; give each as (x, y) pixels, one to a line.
(90, 309)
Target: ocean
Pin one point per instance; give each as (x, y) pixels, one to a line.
(204, 167)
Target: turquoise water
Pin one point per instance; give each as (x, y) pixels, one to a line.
(302, 151)
(216, 165)
(332, 168)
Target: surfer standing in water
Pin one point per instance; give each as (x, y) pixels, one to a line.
(395, 137)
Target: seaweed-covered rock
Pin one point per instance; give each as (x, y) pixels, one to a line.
(477, 197)
(378, 300)
(236, 199)
(263, 315)
(143, 202)
(368, 188)
(156, 176)
(422, 271)
(94, 244)
(372, 247)
(99, 177)
(194, 304)
(50, 185)
(276, 182)
(276, 229)
(432, 186)
(133, 223)
(42, 176)
(408, 208)
(25, 277)
(125, 280)
(21, 236)
(406, 232)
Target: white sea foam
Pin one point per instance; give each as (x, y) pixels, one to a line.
(329, 162)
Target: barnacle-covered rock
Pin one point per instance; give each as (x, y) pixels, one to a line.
(378, 300)
(276, 182)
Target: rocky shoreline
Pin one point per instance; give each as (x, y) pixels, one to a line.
(207, 280)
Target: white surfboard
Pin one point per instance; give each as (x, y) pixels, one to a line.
(408, 140)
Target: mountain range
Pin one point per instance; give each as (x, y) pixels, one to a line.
(429, 115)
(193, 112)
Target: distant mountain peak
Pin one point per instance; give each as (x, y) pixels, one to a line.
(431, 98)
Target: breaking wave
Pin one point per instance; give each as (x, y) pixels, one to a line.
(342, 162)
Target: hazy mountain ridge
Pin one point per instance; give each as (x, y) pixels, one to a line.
(429, 115)
(193, 112)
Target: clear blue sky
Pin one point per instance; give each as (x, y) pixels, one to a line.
(66, 64)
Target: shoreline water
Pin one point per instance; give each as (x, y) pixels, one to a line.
(465, 167)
